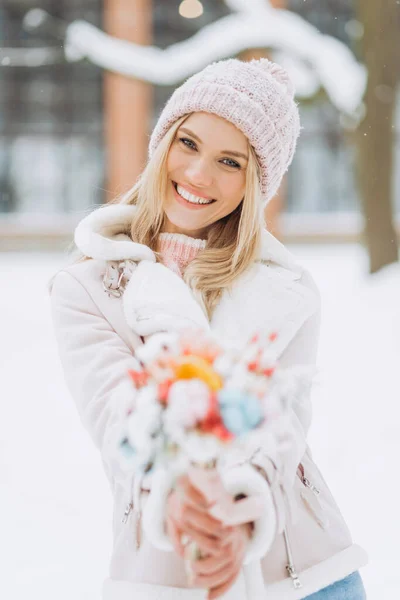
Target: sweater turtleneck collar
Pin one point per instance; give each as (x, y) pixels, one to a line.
(177, 250)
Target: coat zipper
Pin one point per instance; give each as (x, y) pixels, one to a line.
(135, 502)
(307, 482)
(128, 510)
(290, 567)
(313, 502)
(138, 524)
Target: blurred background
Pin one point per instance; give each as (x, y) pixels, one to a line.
(81, 86)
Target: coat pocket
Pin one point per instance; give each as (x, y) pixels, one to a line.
(311, 498)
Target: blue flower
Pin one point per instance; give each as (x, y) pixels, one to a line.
(240, 412)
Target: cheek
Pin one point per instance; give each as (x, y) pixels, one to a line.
(175, 160)
(234, 188)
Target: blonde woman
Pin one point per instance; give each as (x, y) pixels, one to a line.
(186, 247)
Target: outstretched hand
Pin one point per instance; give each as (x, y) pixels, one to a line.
(222, 549)
(187, 516)
(218, 573)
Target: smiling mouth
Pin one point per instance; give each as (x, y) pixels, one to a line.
(191, 198)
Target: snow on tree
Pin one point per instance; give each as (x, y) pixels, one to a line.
(312, 59)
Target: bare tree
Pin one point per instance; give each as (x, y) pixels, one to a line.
(376, 134)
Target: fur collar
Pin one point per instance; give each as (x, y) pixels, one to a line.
(270, 296)
(103, 235)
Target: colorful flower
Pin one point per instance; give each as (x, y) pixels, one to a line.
(138, 378)
(240, 412)
(188, 402)
(196, 367)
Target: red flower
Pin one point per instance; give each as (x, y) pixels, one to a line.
(269, 372)
(253, 366)
(221, 432)
(163, 390)
(273, 336)
(212, 423)
(139, 378)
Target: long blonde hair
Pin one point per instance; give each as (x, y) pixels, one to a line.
(232, 242)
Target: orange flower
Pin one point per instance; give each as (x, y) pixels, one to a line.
(195, 367)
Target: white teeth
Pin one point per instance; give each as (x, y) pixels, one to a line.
(190, 197)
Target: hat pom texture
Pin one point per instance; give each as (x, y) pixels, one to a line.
(257, 97)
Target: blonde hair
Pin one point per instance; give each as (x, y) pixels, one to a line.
(232, 242)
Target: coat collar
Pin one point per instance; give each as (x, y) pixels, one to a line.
(103, 235)
(270, 296)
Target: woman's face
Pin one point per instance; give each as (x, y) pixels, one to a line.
(206, 174)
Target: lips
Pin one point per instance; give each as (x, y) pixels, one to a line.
(175, 184)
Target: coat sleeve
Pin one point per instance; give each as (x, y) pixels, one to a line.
(95, 362)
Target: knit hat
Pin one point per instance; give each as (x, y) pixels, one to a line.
(257, 97)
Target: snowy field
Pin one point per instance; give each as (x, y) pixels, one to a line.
(55, 505)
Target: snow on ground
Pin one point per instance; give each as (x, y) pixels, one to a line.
(55, 504)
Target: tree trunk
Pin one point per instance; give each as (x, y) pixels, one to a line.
(376, 134)
(127, 101)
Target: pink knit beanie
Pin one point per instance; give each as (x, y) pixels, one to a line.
(257, 97)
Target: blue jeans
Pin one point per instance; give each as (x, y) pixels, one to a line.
(349, 588)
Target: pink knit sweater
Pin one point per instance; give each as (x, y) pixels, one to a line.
(177, 250)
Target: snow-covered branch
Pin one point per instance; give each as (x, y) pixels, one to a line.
(312, 59)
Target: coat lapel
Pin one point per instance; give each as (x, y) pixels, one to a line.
(268, 298)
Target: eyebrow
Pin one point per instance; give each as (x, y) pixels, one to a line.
(231, 152)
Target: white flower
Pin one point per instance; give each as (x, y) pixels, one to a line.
(238, 379)
(156, 347)
(146, 395)
(143, 425)
(250, 353)
(268, 359)
(224, 364)
(188, 401)
(201, 448)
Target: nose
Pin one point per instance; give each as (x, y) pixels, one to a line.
(199, 173)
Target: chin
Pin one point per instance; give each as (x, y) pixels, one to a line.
(185, 223)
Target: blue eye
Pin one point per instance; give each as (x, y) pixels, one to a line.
(233, 163)
(188, 143)
(192, 146)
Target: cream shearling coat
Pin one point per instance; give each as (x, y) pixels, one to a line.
(301, 544)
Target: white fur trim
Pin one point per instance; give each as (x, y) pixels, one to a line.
(125, 590)
(244, 479)
(155, 508)
(321, 575)
(313, 579)
(96, 235)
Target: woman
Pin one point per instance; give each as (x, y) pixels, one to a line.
(185, 248)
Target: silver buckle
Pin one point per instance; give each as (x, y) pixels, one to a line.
(116, 277)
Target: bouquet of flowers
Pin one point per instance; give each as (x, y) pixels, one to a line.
(196, 401)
